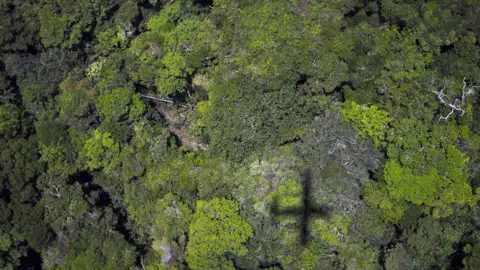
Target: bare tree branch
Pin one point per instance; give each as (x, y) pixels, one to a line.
(457, 103)
(158, 99)
(164, 100)
(141, 263)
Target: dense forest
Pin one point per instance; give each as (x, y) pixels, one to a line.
(239, 134)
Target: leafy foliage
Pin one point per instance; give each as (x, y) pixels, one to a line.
(162, 134)
(368, 121)
(216, 230)
(119, 104)
(101, 150)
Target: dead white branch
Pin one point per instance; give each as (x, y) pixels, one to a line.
(165, 100)
(457, 105)
(57, 192)
(339, 235)
(158, 99)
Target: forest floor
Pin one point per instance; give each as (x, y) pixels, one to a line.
(171, 117)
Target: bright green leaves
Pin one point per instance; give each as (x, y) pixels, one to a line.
(278, 37)
(264, 33)
(173, 216)
(437, 179)
(137, 107)
(209, 177)
(119, 104)
(110, 40)
(172, 79)
(333, 230)
(424, 166)
(257, 73)
(368, 121)
(186, 47)
(438, 186)
(217, 229)
(164, 20)
(377, 196)
(194, 47)
(101, 150)
(289, 195)
(173, 48)
(417, 189)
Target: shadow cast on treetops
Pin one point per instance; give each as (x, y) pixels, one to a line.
(307, 210)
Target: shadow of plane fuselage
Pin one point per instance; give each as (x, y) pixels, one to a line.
(305, 211)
